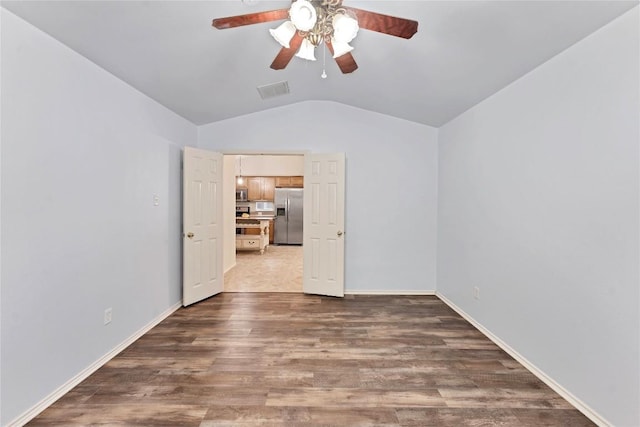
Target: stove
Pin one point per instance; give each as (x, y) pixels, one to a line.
(242, 210)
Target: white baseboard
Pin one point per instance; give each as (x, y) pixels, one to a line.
(230, 268)
(81, 376)
(567, 395)
(84, 374)
(389, 292)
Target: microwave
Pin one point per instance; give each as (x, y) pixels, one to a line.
(241, 195)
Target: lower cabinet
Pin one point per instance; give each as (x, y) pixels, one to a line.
(249, 242)
(254, 234)
(256, 231)
(272, 229)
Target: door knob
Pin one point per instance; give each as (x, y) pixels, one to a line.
(190, 235)
(339, 233)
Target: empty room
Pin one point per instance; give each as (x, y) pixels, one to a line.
(470, 238)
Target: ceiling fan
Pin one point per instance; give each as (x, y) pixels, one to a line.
(311, 22)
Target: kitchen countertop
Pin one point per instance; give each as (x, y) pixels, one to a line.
(256, 217)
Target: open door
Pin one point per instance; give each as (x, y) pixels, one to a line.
(324, 176)
(203, 271)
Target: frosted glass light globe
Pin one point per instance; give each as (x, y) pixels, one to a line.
(303, 15)
(345, 28)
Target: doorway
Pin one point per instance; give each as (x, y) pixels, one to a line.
(323, 233)
(263, 177)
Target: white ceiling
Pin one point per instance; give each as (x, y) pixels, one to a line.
(464, 51)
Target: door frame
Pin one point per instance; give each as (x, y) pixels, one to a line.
(227, 211)
(240, 152)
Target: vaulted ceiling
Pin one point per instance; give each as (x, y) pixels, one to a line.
(464, 51)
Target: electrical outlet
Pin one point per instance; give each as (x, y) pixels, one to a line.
(476, 292)
(107, 315)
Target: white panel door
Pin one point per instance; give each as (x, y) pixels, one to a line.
(203, 271)
(324, 224)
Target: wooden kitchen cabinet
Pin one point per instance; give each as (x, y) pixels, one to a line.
(271, 230)
(268, 188)
(290, 181)
(254, 187)
(261, 188)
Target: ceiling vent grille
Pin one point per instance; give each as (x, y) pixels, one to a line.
(273, 89)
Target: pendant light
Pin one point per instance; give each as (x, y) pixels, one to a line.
(240, 180)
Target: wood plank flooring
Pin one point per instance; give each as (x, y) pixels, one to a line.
(271, 359)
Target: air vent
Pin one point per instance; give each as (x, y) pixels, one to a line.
(273, 89)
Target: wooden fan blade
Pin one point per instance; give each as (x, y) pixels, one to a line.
(286, 53)
(346, 62)
(250, 18)
(386, 24)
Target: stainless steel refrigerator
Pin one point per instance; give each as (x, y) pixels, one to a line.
(288, 221)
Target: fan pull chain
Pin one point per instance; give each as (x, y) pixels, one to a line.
(324, 61)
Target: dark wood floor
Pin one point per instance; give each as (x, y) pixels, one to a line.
(293, 359)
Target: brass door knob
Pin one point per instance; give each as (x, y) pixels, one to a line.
(339, 233)
(190, 235)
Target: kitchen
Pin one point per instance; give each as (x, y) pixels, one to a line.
(268, 224)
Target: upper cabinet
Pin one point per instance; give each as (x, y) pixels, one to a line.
(290, 181)
(261, 188)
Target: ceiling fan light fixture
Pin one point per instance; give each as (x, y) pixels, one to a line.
(317, 22)
(307, 51)
(345, 28)
(284, 33)
(303, 15)
(340, 48)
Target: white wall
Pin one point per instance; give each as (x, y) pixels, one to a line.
(83, 154)
(270, 165)
(390, 186)
(538, 207)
